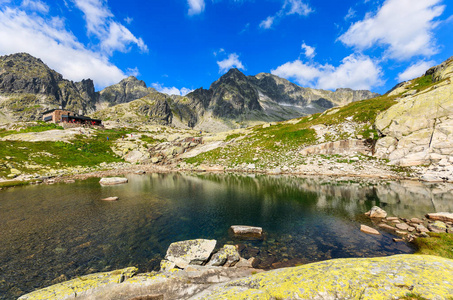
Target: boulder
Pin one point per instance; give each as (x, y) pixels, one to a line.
(421, 228)
(228, 256)
(166, 265)
(189, 252)
(377, 212)
(113, 180)
(247, 231)
(442, 216)
(369, 230)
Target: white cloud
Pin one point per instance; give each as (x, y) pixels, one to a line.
(290, 7)
(297, 7)
(170, 90)
(128, 20)
(195, 7)
(266, 24)
(35, 5)
(132, 72)
(308, 51)
(231, 62)
(221, 50)
(351, 14)
(355, 71)
(404, 27)
(415, 70)
(48, 39)
(112, 35)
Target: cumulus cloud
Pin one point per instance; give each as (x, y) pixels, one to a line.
(47, 38)
(403, 27)
(232, 61)
(195, 7)
(355, 71)
(415, 70)
(309, 51)
(112, 35)
(171, 90)
(290, 7)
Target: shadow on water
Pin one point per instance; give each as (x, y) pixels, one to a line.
(57, 232)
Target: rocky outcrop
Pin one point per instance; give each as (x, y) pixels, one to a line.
(418, 129)
(28, 87)
(127, 90)
(426, 276)
(351, 146)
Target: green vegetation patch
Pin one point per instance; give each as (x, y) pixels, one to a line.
(6, 184)
(39, 127)
(439, 244)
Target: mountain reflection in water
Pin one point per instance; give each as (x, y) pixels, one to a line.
(56, 232)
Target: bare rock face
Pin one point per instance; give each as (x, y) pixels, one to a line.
(127, 90)
(418, 129)
(194, 252)
(29, 87)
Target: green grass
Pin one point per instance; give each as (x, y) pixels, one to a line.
(150, 140)
(39, 127)
(439, 244)
(7, 184)
(83, 151)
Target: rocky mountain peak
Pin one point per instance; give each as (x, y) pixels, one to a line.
(126, 90)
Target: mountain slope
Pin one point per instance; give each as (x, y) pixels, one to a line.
(28, 87)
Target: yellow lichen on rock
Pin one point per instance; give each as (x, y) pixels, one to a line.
(353, 278)
(81, 285)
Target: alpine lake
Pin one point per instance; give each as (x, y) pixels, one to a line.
(52, 233)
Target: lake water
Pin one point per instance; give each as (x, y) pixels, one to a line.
(49, 233)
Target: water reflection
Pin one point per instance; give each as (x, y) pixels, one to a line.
(51, 233)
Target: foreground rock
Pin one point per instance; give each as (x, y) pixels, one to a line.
(427, 276)
(194, 252)
(113, 180)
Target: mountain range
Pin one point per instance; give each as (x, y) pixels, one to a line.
(28, 87)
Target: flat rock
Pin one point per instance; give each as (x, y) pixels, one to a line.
(441, 216)
(402, 226)
(392, 218)
(369, 230)
(247, 231)
(112, 180)
(110, 199)
(385, 226)
(416, 221)
(194, 252)
(421, 228)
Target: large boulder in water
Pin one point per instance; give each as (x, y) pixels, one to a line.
(194, 252)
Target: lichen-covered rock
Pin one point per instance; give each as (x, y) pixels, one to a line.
(81, 286)
(195, 252)
(438, 227)
(354, 278)
(227, 256)
(166, 265)
(112, 180)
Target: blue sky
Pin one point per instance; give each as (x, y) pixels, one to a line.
(180, 45)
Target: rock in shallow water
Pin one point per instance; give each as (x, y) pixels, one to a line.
(112, 180)
(377, 212)
(442, 216)
(110, 199)
(369, 230)
(247, 231)
(189, 252)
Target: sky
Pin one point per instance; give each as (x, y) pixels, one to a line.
(177, 46)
